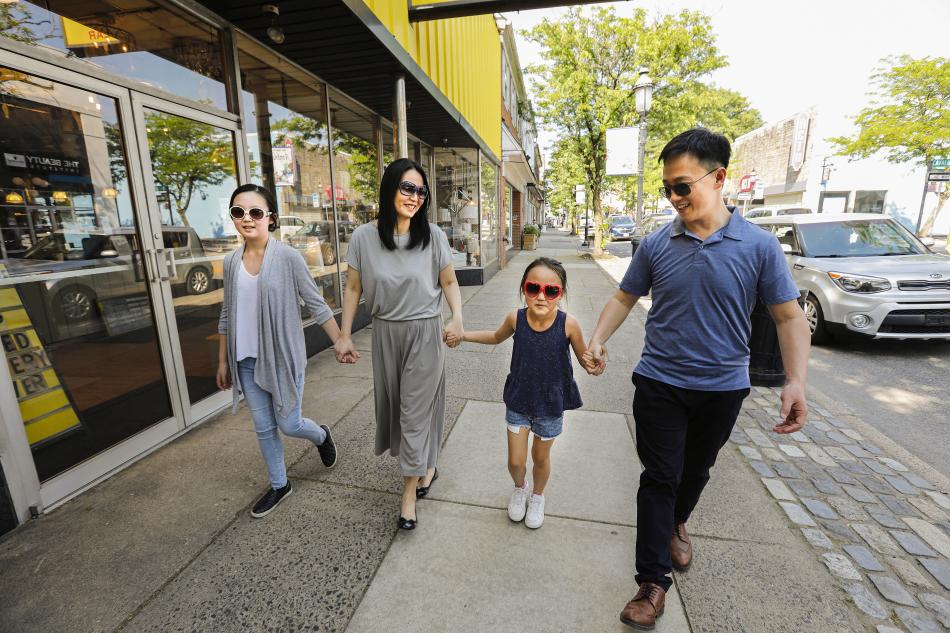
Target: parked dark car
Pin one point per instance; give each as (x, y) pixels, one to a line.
(620, 227)
(650, 224)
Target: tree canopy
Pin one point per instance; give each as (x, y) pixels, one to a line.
(908, 118)
(585, 84)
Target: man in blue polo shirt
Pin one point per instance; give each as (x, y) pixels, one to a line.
(703, 272)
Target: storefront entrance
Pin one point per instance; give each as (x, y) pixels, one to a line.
(113, 210)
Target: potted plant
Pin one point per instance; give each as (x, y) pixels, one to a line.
(529, 237)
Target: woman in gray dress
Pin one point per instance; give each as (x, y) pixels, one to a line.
(403, 266)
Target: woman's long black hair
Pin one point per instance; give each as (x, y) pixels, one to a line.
(419, 231)
(274, 222)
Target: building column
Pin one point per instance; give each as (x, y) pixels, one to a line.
(400, 138)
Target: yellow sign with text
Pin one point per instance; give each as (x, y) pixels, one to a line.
(44, 405)
(76, 34)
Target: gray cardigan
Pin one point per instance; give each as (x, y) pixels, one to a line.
(284, 283)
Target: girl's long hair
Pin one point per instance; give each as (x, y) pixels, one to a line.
(419, 232)
(274, 222)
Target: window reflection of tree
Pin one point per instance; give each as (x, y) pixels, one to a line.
(187, 157)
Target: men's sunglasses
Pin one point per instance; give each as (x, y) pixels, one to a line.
(239, 213)
(682, 188)
(408, 189)
(551, 291)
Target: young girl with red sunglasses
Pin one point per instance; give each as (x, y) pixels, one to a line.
(540, 386)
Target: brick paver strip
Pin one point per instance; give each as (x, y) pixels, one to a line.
(859, 494)
(918, 621)
(894, 464)
(901, 484)
(867, 602)
(779, 490)
(791, 450)
(796, 514)
(820, 509)
(941, 499)
(893, 590)
(864, 557)
(817, 538)
(910, 573)
(876, 538)
(885, 518)
(938, 569)
(934, 537)
(939, 605)
(841, 566)
(750, 453)
(912, 543)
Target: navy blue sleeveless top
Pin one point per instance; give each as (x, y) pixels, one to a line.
(541, 382)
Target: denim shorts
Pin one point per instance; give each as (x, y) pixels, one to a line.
(544, 428)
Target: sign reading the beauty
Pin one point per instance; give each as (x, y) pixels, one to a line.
(623, 144)
(56, 164)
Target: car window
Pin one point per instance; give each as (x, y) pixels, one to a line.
(786, 235)
(793, 211)
(858, 238)
(175, 239)
(757, 213)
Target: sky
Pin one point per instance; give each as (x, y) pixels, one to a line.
(787, 57)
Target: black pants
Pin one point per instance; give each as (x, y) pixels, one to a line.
(679, 434)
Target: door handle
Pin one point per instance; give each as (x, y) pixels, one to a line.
(149, 262)
(161, 264)
(171, 267)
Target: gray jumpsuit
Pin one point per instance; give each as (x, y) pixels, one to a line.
(404, 297)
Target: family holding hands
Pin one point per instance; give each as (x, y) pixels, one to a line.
(704, 272)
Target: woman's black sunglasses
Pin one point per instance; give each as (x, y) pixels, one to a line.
(238, 213)
(408, 189)
(682, 188)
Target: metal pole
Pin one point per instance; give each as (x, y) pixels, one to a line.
(400, 138)
(643, 151)
(923, 199)
(586, 219)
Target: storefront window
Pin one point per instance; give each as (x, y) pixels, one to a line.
(76, 322)
(290, 154)
(489, 211)
(157, 45)
(456, 204)
(355, 169)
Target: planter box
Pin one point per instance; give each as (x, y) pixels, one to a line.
(529, 242)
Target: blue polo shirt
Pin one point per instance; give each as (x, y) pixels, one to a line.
(703, 292)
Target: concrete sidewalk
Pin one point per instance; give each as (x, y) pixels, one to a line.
(168, 545)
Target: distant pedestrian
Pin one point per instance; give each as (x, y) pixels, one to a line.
(540, 386)
(704, 272)
(262, 352)
(402, 263)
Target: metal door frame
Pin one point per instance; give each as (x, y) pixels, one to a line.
(190, 414)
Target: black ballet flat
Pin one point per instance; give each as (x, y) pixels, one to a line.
(422, 491)
(407, 524)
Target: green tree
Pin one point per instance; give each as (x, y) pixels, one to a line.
(585, 86)
(563, 172)
(187, 156)
(908, 118)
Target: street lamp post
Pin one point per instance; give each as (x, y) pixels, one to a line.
(643, 99)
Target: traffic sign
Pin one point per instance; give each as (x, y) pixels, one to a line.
(745, 195)
(746, 183)
(940, 163)
(939, 175)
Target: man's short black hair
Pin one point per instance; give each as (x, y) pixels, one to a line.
(709, 148)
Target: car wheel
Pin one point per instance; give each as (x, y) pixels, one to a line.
(76, 304)
(197, 282)
(816, 320)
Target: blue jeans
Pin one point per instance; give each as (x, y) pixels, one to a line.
(543, 428)
(266, 423)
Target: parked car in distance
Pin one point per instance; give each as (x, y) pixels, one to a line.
(865, 274)
(290, 225)
(619, 227)
(767, 212)
(650, 224)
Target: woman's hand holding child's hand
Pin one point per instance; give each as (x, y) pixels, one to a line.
(453, 334)
(345, 351)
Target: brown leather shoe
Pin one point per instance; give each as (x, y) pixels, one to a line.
(645, 607)
(681, 548)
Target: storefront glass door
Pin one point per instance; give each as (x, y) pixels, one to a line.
(79, 333)
(190, 172)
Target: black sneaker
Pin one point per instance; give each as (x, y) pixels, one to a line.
(270, 500)
(327, 449)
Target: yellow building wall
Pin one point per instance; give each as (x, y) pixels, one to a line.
(462, 56)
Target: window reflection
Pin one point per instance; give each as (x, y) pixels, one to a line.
(355, 169)
(290, 154)
(456, 206)
(489, 211)
(156, 45)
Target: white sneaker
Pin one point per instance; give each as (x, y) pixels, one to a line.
(535, 515)
(518, 503)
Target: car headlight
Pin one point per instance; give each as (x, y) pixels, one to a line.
(859, 283)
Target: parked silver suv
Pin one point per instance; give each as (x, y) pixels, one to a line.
(865, 274)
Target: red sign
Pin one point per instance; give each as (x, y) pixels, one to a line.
(746, 183)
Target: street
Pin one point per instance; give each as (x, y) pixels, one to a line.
(897, 386)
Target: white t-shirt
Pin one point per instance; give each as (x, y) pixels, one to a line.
(246, 319)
